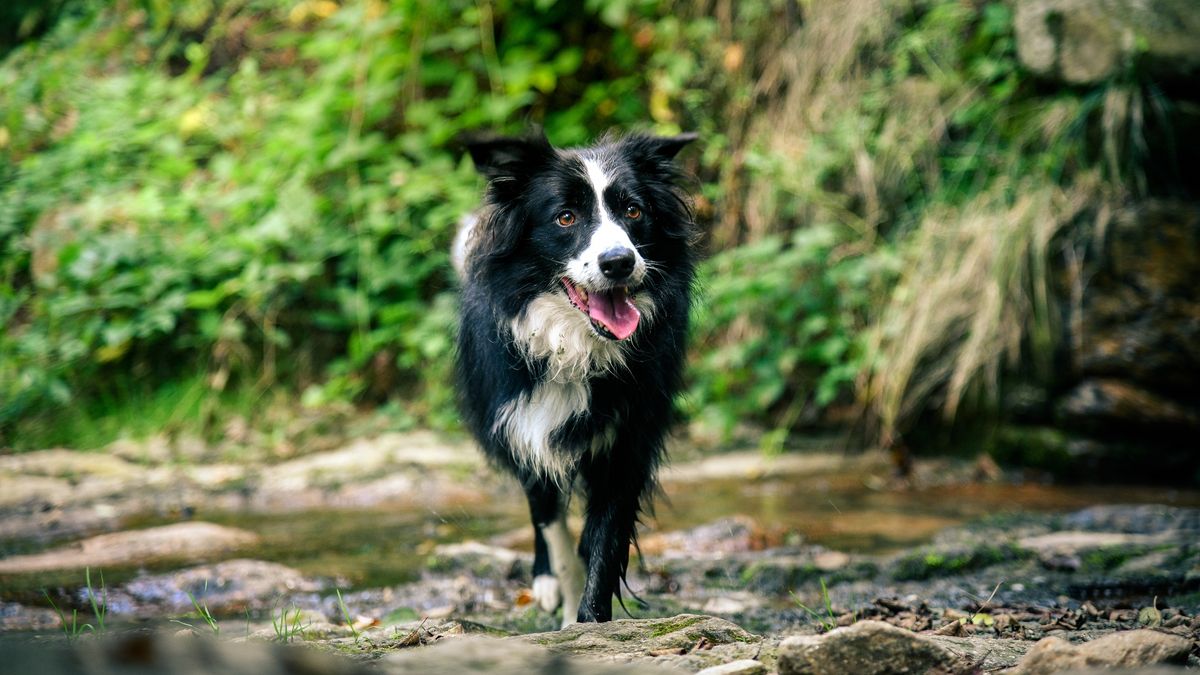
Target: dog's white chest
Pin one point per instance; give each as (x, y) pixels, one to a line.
(530, 420)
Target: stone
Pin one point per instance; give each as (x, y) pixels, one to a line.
(473, 655)
(1130, 649)
(181, 541)
(480, 559)
(865, 648)
(739, 667)
(987, 654)
(1090, 41)
(1102, 402)
(223, 588)
(149, 652)
(687, 641)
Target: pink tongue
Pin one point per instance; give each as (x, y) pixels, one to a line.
(615, 311)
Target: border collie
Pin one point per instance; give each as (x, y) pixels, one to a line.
(576, 283)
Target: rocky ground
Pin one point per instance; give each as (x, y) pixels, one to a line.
(1103, 586)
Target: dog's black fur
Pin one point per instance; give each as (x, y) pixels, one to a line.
(513, 259)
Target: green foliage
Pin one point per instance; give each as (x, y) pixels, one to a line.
(265, 192)
(253, 194)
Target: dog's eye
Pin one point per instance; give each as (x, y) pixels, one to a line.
(632, 212)
(565, 219)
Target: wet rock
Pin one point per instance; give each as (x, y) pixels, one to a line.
(865, 648)
(370, 457)
(754, 465)
(1102, 403)
(479, 656)
(181, 541)
(739, 667)
(225, 587)
(1135, 519)
(478, 559)
(724, 536)
(987, 654)
(687, 641)
(15, 616)
(148, 653)
(1085, 42)
(1131, 649)
(1073, 542)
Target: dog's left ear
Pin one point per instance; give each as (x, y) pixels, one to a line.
(666, 147)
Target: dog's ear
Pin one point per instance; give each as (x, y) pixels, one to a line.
(666, 147)
(500, 157)
(656, 154)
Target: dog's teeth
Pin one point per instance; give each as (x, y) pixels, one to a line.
(583, 294)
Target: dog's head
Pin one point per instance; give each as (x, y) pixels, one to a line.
(602, 225)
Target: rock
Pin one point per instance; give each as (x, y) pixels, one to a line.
(223, 588)
(727, 535)
(987, 654)
(144, 653)
(15, 616)
(1103, 403)
(480, 559)
(739, 667)
(370, 457)
(1089, 41)
(1136, 519)
(687, 641)
(1073, 542)
(865, 648)
(1132, 649)
(474, 655)
(185, 541)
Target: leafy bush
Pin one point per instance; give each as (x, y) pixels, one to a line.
(263, 192)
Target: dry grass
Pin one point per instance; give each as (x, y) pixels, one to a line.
(976, 292)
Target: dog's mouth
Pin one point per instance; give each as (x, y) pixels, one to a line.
(611, 311)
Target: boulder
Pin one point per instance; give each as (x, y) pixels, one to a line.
(865, 648)
(689, 642)
(181, 541)
(1090, 41)
(223, 588)
(1131, 649)
(474, 655)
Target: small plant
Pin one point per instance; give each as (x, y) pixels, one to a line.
(99, 609)
(287, 625)
(346, 616)
(203, 612)
(826, 621)
(73, 629)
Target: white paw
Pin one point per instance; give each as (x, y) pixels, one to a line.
(545, 592)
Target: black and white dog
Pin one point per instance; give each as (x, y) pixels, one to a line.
(577, 276)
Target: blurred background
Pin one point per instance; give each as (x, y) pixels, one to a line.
(944, 229)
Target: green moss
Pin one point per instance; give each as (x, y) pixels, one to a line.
(928, 564)
(675, 624)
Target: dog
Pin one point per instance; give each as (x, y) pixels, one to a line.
(576, 281)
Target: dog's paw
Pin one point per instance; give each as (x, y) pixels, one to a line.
(546, 592)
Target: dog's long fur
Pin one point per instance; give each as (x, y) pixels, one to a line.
(546, 386)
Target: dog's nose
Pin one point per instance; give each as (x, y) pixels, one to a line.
(617, 263)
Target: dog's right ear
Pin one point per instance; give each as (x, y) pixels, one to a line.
(503, 157)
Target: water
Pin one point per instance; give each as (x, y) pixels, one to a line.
(840, 509)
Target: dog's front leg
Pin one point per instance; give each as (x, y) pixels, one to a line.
(613, 499)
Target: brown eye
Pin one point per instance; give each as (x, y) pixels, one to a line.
(632, 212)
(566, 219)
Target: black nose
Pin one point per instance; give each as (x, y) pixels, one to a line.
(617, 263)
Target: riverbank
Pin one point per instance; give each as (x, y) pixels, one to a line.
(384, 549)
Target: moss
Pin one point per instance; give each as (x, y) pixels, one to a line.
(1108, 558)
(675, 624)
(928, 564)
